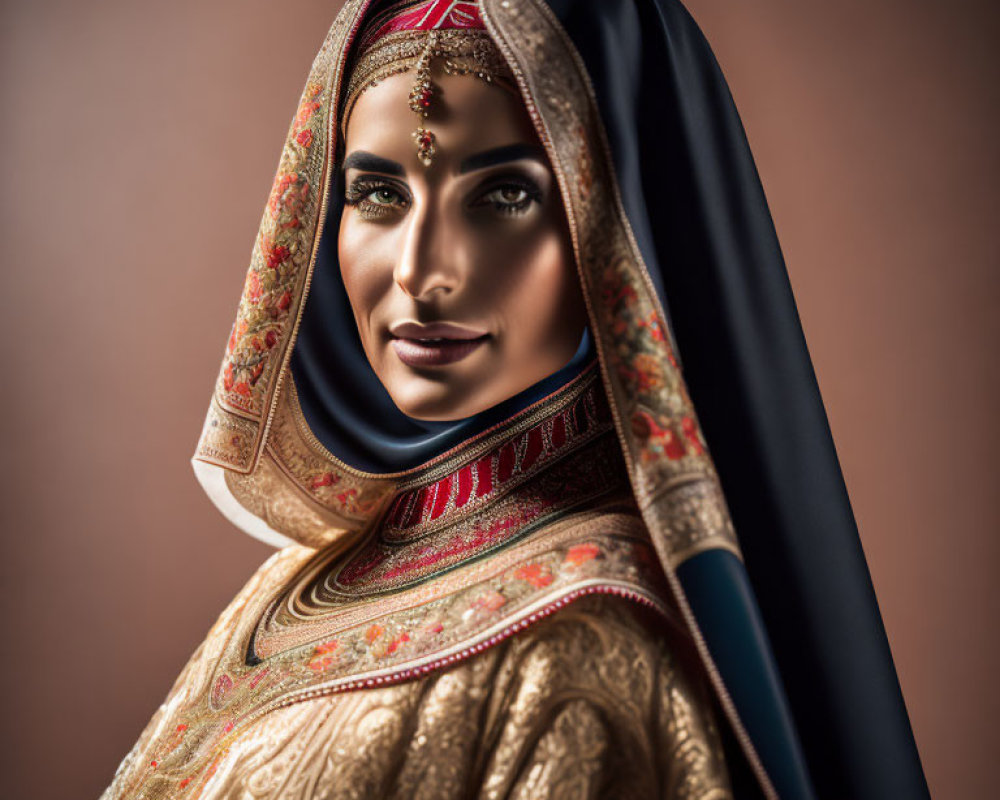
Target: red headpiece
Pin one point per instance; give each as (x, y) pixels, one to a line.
(422, 15)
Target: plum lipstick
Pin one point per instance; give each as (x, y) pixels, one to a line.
(434, 344)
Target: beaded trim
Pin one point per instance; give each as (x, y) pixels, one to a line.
(394, 676)
(461, 51)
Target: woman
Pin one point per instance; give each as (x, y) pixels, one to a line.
(511, 571)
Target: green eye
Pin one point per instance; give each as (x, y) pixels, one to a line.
(376, 198)
(384, 197)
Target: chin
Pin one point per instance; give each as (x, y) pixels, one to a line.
(437, 402)
(437, 409)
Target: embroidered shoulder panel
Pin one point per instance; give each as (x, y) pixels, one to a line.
(279, 645)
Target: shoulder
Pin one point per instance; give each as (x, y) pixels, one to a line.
(615, 652)
(605, 697)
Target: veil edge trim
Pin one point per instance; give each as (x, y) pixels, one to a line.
(212, 478)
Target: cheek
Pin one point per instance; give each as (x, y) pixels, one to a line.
(541, 300)
(365, 267)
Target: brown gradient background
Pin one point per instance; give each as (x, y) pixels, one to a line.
(139, 142)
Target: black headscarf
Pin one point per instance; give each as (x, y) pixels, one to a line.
(694, 200)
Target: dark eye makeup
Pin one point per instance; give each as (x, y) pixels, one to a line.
(376, 197)
(509, 194)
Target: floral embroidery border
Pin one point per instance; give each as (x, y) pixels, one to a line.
(609, 555)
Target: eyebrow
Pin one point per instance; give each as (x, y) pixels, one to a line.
(501, 155)
(369, 162)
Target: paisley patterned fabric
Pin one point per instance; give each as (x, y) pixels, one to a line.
(590, 703)
(504, 631)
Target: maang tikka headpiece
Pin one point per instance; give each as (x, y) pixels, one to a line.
(411, 35)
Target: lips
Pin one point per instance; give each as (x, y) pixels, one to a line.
(434, 344)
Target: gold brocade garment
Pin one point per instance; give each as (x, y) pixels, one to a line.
(502, 632)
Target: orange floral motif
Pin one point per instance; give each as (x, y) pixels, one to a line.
(254, 288)
(374, 632)
(324, 655)
(537, 575)
(639, 363)
(325, 479)
(582, 553)
(659, 441)
(288, 196)
(282, 182)
(275, 254)
(652, 324)
(238, 330)
(646, 374)
(305, 112)
(304, 138)
(690, 428)
(491, 601)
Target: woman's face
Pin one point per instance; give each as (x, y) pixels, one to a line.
(460, 274)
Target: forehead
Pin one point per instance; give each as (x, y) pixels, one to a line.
(467, 116)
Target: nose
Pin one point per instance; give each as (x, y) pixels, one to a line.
(426, 264)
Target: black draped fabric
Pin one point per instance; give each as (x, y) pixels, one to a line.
(694, 200)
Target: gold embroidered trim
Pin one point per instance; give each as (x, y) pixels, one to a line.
(312, 610)
(266, 494)
(352, 499)
(277, 282)
(578, 481)
(221, 696)
(461, 52)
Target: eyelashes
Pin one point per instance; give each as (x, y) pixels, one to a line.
(510, 195)
(378, 198)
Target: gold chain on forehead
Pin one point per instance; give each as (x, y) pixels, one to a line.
(462, 51)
